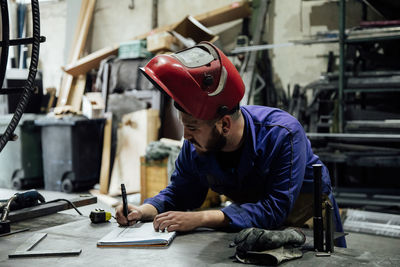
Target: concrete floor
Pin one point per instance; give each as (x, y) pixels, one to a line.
(374, 243)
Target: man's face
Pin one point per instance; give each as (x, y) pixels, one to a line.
(205, 136)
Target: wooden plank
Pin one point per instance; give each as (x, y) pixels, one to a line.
(234, 11)
(83, 29)
(49, 208)
(76, 92)
(137, 130)
(106, 155)
(81, 16)
(52, 93)
(106, 199)
(228, 13)
(154, 175)
(67, 80)
(91, 61)
(63, 94)
(143, 184)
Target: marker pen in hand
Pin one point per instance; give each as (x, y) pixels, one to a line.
(124, 201)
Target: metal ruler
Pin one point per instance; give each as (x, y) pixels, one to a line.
(24, 250)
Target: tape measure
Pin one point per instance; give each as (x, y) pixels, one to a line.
(99, 216)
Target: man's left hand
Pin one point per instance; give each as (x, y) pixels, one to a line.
(177, 221)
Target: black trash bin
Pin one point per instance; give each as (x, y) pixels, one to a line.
(72, 148)
(21, 160)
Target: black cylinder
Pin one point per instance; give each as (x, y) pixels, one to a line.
(318, 222)
(329, 244)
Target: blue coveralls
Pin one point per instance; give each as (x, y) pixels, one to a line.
(275, 165)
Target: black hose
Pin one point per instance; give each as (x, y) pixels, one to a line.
(28, 87)
(66, 200)
(5, 40)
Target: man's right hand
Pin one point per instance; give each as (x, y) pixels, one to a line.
(134, 215)
(145, 212)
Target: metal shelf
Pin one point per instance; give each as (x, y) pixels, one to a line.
(383, 37)
(353, 37)
(371, 90)
(355, 137)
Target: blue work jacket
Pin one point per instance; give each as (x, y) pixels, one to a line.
(275, 166)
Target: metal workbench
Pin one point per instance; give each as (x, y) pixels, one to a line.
(199, 248)
(66, 230)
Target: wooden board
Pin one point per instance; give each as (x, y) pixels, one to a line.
(67, 79)
(91, 61)
(49, 208)
(106, 199)
(137, 130)
(234, 11)
(153, 177)
(106, 155)
(76, 92)
(83, 29)
(228, 13)
(71, 91)
(82, 13)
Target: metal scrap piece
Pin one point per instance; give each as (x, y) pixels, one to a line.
(24, 250)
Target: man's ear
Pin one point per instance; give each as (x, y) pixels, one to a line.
(226, 124)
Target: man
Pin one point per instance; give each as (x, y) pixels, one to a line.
(257, 156)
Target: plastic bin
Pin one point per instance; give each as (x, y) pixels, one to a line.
(72, 148)
(21, 163)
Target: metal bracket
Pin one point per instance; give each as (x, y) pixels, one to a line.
(24, 250)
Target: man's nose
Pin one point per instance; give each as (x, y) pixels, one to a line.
(186, 134)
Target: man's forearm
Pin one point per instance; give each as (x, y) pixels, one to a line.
(213, 219)
(148, 212)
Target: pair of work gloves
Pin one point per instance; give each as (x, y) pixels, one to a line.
(268, 247)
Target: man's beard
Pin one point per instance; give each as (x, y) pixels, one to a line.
(214, 144)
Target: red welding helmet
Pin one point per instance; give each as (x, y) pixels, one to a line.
(200, 79)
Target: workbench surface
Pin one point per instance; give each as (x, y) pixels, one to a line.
(199, 248)
(68, 230)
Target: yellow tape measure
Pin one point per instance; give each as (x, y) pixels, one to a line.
(99, 216)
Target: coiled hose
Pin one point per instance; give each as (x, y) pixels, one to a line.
(28, 87)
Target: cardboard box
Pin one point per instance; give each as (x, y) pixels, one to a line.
(190, 28)
(163, 41)
(93, 105)
(186, 33)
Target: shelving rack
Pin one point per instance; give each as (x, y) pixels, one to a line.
(344, 40)
(362, 153)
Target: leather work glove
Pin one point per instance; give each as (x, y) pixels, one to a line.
(259, 246)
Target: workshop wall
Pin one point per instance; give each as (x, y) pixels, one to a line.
(113, 23)
(52, 26)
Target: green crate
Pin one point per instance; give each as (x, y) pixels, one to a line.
(134, 49)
